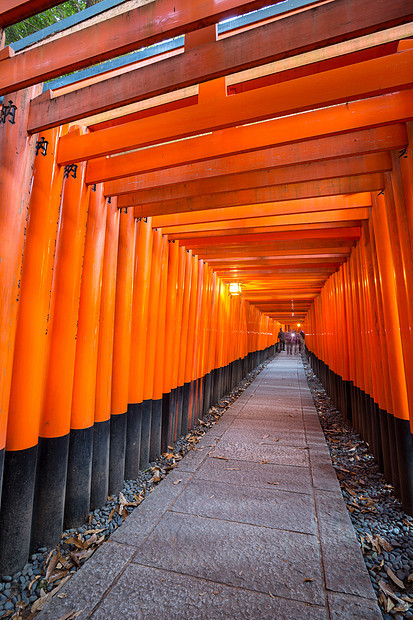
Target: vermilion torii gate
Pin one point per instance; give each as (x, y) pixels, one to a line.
(267, 153)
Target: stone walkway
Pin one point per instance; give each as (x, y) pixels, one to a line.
(250, 525)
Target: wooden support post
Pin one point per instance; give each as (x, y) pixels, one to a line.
(29, 359)
(170, 356)
(62, 333)
(103, 393)
(159, 366)
(79, 470)
(140, 308)
(121, 351)
(154, 290)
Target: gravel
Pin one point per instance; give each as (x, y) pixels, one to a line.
(22, 593)
(383, 529)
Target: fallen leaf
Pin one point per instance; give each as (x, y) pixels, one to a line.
(222, 458)
(71, 615)
(112, 512)
(215, 592)
(178, 481)
(395, 579)
(410, 578)
(308, 579)
(202, 593)
(58, 575)
(262, 462)
(41, 602)
(268, 482)
(33, 581)
(78, 542)
(387, 590)
(401, 608)
(63, 595)
(265, 436)
(233, 469)
(277, 439)
(271, 594)
(52, 565)
(90, 541)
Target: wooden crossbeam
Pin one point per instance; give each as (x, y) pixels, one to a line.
(298, 191)
(282, 38)
(230, 239)
(13, 11)
(367, 141)
(126, 32)
(184, 222)
(355, 116)
(215, 110)
(350, 166)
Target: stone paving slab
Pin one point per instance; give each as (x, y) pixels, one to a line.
(257, 558)
(345, 570)
(289, 478)
(281, 454)
(346, 607)
(216, 540)
(144, 592)
(268, 506)
(89, 585)
(288, 434)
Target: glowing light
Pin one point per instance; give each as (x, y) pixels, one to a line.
(234, 288)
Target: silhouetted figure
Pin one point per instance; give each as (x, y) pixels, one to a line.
(281, 338)
(289, 343)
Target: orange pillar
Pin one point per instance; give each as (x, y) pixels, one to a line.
(183, 346)
(103, 392)
(79, 469)
(152, 324)
(16, 161)
(176, 426)
(140, 306)
(121, 351)
(391, 287)
(62, 334)
(27, 380)
(158, 378)
(170, 355)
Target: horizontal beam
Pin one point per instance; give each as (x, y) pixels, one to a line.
(13, 11)
(364, 114)
(363, 142)
(282, 38)
(229, 239)
(215, 110)
(139, 27)
(300, 218)
(292, 228)
(348, 166)
(292, 191)
(287, 207)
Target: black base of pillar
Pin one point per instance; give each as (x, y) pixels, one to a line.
(133, 441)
(2, 452)
(404, 447)
(79, 475)
(156, 429)
(167, 420)
(117, 452)
(145, 434)
(17, 504)
(50, 491)
(99, 490)
(176, 431)
(185, 408)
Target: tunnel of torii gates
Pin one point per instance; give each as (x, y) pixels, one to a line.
(274, 153)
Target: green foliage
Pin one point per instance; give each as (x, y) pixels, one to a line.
(42, 20)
